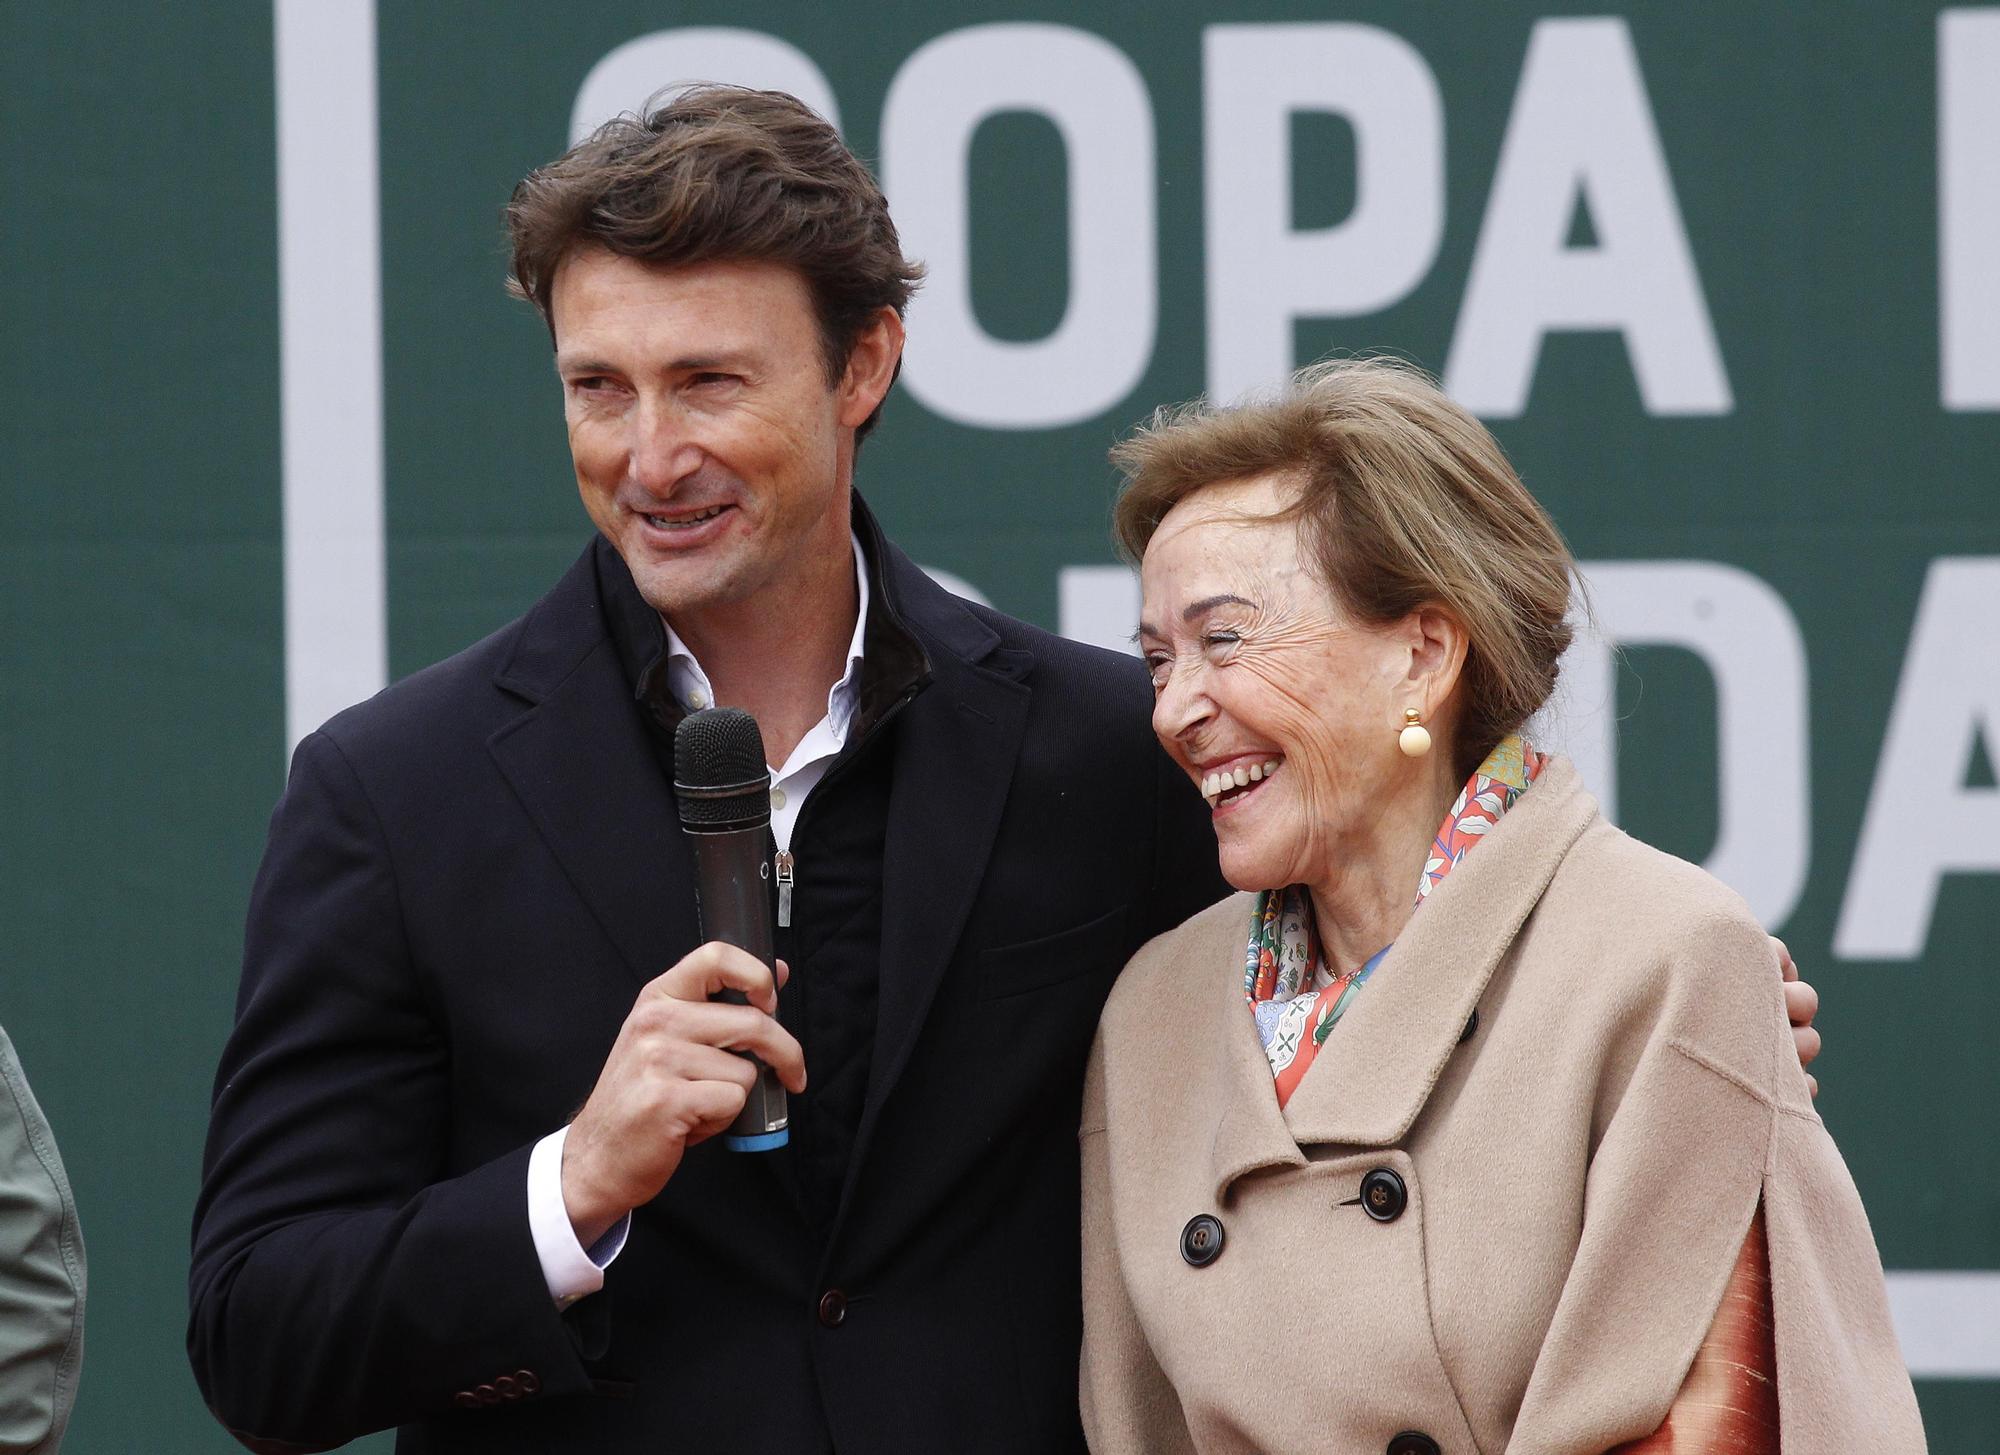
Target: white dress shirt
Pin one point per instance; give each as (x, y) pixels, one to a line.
(570, 1269)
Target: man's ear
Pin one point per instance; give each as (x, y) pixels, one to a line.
(871, 367)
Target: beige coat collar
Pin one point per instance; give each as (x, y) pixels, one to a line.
(1393, 1042)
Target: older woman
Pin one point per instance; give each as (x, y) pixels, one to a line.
(1467, 1124)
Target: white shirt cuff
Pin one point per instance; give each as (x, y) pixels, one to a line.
(568, 1268)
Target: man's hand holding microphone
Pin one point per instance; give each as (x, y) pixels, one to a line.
(701, 1054)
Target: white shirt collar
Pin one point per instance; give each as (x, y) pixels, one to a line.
(691, 687)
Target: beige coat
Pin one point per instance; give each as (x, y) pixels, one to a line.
(1579, 1172)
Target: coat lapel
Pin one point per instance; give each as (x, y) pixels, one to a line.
(957, 742)
(580, 761)
(1250, 1134)
(1378, 1069)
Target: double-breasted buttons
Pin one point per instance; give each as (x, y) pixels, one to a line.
(1383, 1197)
(833, 1308)
(1201, 1240)
(1413, 1442)
(1471, 1028)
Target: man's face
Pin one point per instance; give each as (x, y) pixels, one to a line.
(709, 447)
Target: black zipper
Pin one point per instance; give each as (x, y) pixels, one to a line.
(783, 864)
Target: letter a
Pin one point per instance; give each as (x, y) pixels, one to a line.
(1923, 822)
(1582, 131)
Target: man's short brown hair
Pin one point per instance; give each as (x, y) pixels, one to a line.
(720, 173)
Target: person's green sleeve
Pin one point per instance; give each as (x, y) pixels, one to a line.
(41, 1274)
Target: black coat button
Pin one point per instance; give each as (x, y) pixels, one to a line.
(1201, 1240)
(1471, 1028)
(833, 1308)
(1413, 1442)
(527, 1381)
(465, 1399)
(1383, 1198)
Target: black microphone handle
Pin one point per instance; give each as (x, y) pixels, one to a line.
(733, 901)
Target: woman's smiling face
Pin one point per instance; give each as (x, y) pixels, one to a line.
(1259, 674)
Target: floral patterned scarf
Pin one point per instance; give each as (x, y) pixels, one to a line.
(1295, 998)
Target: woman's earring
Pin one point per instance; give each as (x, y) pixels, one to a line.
(1415, 738)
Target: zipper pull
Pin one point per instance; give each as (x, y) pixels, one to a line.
(784, 867)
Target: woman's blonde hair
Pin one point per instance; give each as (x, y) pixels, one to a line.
(1405, 500)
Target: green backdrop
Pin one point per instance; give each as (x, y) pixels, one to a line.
(143, 709)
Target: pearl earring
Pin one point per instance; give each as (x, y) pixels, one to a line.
(1415, 738)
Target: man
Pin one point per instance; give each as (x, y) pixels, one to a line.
(471, 878)
(462, 1174)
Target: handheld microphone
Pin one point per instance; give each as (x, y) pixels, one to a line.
(724, 792)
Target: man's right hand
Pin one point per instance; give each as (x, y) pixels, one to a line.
(672, 1080)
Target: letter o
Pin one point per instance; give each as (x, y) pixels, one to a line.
(1097, 100)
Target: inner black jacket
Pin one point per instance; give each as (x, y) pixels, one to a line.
(468, 880)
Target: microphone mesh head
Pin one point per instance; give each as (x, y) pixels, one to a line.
(716, 750)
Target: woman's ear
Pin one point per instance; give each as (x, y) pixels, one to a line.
(1437, 643)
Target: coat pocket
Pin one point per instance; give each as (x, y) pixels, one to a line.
(1096, 947)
